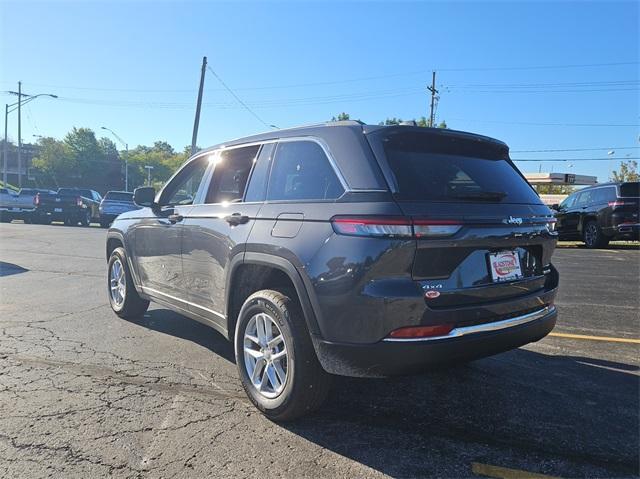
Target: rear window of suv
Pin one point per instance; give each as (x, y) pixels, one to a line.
(119, 196)
(428, 168)
(630, 189)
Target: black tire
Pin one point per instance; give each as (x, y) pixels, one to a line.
(306, 384)
(593, 237)
(68, 221)
(85, 220)
(133, 305)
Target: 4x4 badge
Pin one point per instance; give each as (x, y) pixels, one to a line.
(512, 220)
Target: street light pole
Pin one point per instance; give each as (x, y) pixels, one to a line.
(148, 168)
(126, 158)
(5, 149)
(19, 135)
(17, 105)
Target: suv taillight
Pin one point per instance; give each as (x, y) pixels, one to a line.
(78, 201)
(394, 227)
(36, 199)
(615, 203)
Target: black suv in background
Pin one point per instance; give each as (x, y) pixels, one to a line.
(601, 213)
(342, 248)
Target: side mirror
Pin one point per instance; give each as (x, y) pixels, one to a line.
(144, 196)
(555, 206)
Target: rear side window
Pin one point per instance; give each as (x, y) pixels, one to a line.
(302, 171)
(119, 196)
(585, 198)
(231, 174)
(630, 189)
(603, 195)
(426, 171)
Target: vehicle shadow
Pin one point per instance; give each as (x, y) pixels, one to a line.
(556, 414)
(8, 269)
(168, 322)
(560, 415)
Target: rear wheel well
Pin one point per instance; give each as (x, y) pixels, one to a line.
(113, 243)
(246, 280)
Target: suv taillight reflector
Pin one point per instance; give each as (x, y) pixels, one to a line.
(414, 332)
(394, 226)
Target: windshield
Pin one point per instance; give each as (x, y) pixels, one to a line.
(119, 196)
(428, 169)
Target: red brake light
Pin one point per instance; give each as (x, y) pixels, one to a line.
(394, 226)
(615, 203)
(36, 199)
(413, 332)
(373, 226)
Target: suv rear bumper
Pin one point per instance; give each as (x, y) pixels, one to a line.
(397, 357)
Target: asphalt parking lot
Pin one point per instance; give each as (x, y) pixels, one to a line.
(86, 394)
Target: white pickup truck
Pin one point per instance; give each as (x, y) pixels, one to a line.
(18, 206)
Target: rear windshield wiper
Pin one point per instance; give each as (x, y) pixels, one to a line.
(480, 195)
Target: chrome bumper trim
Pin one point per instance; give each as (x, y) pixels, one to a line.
(482, 328)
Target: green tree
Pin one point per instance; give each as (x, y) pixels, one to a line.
(422, 121)
(161, 156)
(54, 163)
(341, 117)
(628, 171)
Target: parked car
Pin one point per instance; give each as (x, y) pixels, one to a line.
(7, 202)
(601, 213)
(113, 204)
(20, 205)
(69, 205)
(343, 249)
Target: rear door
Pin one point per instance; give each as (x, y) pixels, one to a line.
(217, 229)
(483, 233)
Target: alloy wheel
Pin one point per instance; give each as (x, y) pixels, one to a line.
(266, 359)
(591, 234)
(117, 283)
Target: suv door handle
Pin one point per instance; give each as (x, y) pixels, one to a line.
(236, 219)
(174, 218)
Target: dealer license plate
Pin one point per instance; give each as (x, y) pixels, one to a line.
(505, 266)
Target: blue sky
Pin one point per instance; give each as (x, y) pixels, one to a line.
(134, 67)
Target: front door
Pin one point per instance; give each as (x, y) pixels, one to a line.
(158, 238)
(217, 230)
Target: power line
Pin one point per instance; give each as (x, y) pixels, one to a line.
(578, 149)
(577, 159)
(351, 80)
(238, 98)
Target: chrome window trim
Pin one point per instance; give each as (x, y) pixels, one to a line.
(482, 328)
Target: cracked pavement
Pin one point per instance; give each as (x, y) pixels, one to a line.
(86, 394)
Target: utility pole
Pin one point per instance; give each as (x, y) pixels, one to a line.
(434, 92)
(196, 123)
(5, 149)
(19, 134)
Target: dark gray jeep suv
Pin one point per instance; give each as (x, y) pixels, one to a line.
(345, 249)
